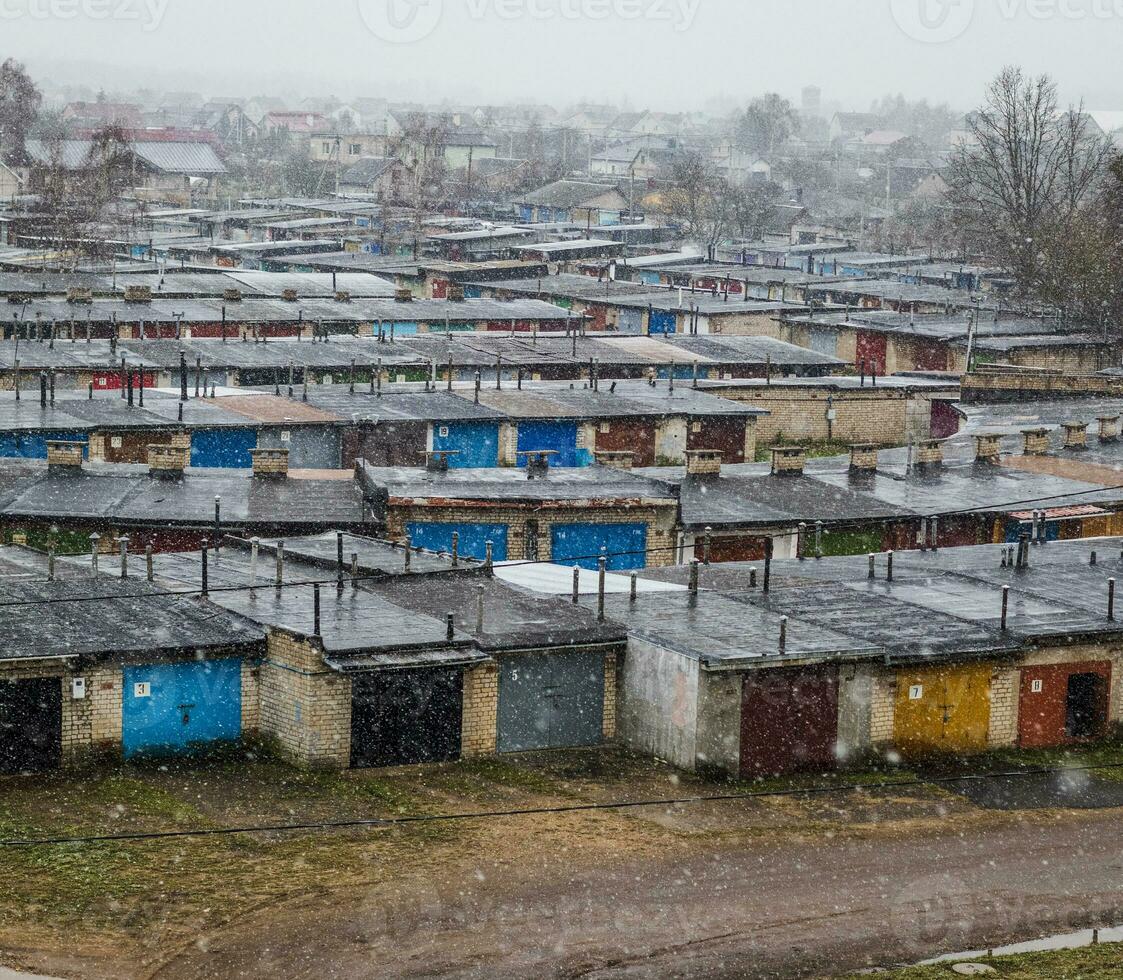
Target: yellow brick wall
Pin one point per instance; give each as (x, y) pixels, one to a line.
(305, 706)
(480, 724)
(1005, 684)
(883, 702)
(610, 669)
(251, 696)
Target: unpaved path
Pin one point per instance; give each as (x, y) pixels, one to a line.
(721, 908)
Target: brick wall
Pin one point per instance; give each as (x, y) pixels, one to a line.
(251, 696)
(883, 703)
(1005, 684)
(305, 706)
(479, 728)
(660, 521)
(610, 672)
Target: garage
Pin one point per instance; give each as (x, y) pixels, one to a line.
(30, 725)
(472, 444)
(402, 717)
(555, 437)
(551, 701)
(1061, 704)
(662, 322)
(227, 448)
(171, 709)
(870, 351)
(942, 709)
(624, 545)
(789, 721)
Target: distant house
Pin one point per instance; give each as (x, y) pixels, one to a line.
(165, 171)
(382, 178)
(296, 122)
(11, 182)
(643, 158)
(649, 124)
(492, 176)
(582, 202)
(346, 148)
(455, 138)
(846, 126)
(739, 165)
(98, 115)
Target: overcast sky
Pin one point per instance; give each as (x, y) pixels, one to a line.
(674, 54)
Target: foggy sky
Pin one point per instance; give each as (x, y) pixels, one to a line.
(647, 53)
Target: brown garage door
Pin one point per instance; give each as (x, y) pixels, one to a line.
(1063, 703)
(789, 721)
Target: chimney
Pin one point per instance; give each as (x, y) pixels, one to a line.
(64, 457)
(616, 460)
(787, 460)
(166, 461)
(988, 448)
(80, 294)
(1109, 428)
(456, 293)
(403, 295)
(930, 452)
(1036, 441)
(436, 462)
(289, 295)
(232, 295)
(503, 295)
(342, 296)
(270, 463)
(703, 462)
(138, 294)
(1076, 435)
(537, 466)
(863, 457)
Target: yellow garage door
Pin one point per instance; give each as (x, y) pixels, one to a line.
(942, 709)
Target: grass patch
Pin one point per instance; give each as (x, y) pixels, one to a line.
(812, 449)
(1103, 962)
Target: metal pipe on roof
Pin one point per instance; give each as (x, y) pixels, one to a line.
(632, 587)
(450, 629)
(316, 609)
(783, 635)
(123, 543)
(694, 576)
(217, 523)
(204, 568)
(42, 389)
(94, 539)
(455, 549)
(576, 585)
(1111, 599)
(479, 610)
(1005, 604)
(889, 567)
(602, 563)
(767, 564)
(148, 567)
(707, 540)
(489, 566)
(280, 575)
(409, 552)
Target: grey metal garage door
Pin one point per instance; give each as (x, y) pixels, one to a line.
(551, 701)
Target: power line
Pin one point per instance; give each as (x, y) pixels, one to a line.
(382, 576)
(538, 811)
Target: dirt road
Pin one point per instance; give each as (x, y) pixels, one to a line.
(719, 909)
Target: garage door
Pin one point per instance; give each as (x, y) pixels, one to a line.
(872, 349)
(581, 545)
(30, 725)
(177, 708)
(823, 340)
(630, 321)
(551, 701)
(1063, 703)
(942, 710)
(472, 543)
(476, 444)
(403, 717)
(662, 322)
(557, 437)
(789, 722)
(223, 448)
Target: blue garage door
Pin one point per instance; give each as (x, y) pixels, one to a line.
(558, 437)
(526, 214)
(402, 328)
(33, 445)
(223, 448)
(476, 443)
(473, 539)
(662, 321)
(624, 545)
(630, 321)
(173, 708)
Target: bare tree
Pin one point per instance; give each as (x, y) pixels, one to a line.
(700, 202)
(768, 121)
(1027, 180)
(20, 100)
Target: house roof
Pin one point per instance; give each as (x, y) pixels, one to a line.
(568, 194)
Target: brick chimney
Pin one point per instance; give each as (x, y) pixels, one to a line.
(617, 460)
(863, 457)
(138, 294)
(403, 295)
(342, 296)
(1109, 428)
(988, 448)
(232, 295)
(80, 294)
(930, 452)
(166, 461)
(289, 295)
(703, 462)
(787, 460)
(270, 463)
(456, 293)
(1076, 435)
(1036, 441)
(64, 457)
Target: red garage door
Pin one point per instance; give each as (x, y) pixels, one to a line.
(789, 721)
(1063, 703)
(871, 348)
